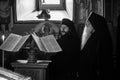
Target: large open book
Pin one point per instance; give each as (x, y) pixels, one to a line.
(14, 42)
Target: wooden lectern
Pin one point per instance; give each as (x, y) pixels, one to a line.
(37, 71)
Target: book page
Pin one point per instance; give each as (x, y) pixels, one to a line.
(10, 43)
(21, 43)
(38, 42)
(50, 43)
(11, 75)
(2, 78)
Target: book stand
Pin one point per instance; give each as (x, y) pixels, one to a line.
(31, 56)
(31, 51)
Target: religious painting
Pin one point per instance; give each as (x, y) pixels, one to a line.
(4, 12)
(85, 6)
(99, 7)
(46, 28)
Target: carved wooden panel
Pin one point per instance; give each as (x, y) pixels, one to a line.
(37, 71)
(36, 74)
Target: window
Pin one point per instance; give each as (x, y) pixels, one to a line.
(26, 9)
(52, 4)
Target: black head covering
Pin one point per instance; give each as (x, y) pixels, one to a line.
(72, 31)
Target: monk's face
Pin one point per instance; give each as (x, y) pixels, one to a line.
(64, 29)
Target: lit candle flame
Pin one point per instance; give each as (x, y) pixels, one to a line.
(3, 37)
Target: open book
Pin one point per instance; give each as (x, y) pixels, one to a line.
(14, 42)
